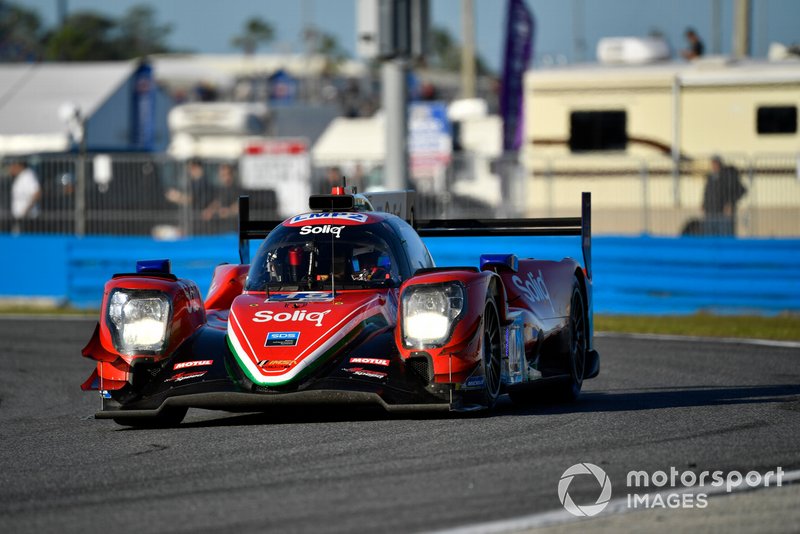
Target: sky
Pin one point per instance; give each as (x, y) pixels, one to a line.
(207, 26)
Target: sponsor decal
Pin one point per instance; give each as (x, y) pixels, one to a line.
(180, 377)
(305, 296)
(276, 364)
(315, 217)
(265, 316)
(370, 361)
(326, 229)
(196, 363)
(533, 288)
(474, 382)
(105, 394)
(282, 339)
(360, 371)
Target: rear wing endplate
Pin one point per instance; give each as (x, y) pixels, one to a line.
(250, 229)
(553, 226)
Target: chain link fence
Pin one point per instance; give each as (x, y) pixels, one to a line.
(167, 198)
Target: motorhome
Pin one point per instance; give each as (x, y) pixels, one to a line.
(640, 137)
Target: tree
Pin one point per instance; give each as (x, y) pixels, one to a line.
(20, 33)
(140, 34)
(84, 36)
(328, 45)
(256, 31)
(445, 52)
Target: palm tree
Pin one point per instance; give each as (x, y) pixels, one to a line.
(256, 31)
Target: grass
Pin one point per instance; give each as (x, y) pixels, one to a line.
(784, 327)
(781, 327)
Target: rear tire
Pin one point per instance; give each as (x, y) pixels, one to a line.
(169, 417)
(491, 353)
(577, 345)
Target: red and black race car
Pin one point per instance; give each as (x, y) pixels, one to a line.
(344, 305)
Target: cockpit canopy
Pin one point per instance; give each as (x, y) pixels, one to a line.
(319, 256)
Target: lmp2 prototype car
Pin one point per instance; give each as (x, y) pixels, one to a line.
(343, 305)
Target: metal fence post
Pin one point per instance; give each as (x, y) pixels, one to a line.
(80, 185)
(644, 174)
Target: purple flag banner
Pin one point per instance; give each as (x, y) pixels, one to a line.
(519, 37)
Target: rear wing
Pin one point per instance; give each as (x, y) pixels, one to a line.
(553, 226)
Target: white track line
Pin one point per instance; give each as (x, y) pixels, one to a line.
(701, 339)
(615, 507)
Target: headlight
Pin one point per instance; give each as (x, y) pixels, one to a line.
(429, 313)
(138, 320)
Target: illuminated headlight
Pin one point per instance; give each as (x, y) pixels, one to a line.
(429, 313)
(138, 320)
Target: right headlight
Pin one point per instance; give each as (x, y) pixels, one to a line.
(138, 320)
(430, 312)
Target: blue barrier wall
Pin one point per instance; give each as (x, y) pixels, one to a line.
(632, 275)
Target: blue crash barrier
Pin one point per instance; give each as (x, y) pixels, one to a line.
(636, 275)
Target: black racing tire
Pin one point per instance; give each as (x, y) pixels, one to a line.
(491, 353)
(169, 417)
(578, 337)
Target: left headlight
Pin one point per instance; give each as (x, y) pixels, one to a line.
(138, 320)
(430, 312)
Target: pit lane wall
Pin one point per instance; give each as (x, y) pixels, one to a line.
(632, 275)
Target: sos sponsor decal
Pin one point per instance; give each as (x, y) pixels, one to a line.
(325, 229)
(265, 316)
(316, 218)
(276, 364)
(195, 363)
(282, 339)
(304, 296)
(370, 361)
(360, 371)
(180, 377)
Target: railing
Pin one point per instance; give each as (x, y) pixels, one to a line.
(160, 196)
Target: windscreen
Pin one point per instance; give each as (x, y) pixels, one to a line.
(317, 257)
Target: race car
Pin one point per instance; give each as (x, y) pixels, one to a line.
(344, 305)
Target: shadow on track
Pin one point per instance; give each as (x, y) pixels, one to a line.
(662, 398)
(589, 402)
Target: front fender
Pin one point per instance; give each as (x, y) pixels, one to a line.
(458, 356)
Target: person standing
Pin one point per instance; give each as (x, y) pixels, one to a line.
(723, 191)
(223, 211)
(696, 47)
(25, 195)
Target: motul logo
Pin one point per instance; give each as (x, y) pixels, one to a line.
(371, 361)
(264, 316)
(195, 363)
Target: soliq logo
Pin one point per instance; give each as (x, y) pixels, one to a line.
(265, 316)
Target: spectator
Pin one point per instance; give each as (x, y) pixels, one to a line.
(722, 192)
(224, 208)
(195, 196)
(696, 48)
(25, 195)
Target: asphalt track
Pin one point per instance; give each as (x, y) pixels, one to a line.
(694, 405)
